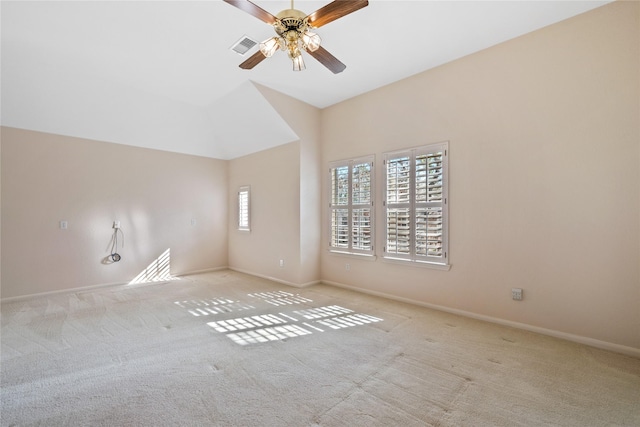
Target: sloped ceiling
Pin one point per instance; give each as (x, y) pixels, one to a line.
(159, 74)
(247, 123)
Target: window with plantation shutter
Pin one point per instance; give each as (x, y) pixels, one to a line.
(415, 204)
(243, 208)
(351, 206)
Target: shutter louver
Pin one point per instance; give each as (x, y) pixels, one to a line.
(361, 215)
(361, 229)
(340, 186)
(351, 211)
(429, 232)
(434, 177)
(361, 188)
(398, 231)
(415, 209)
(398, 218)
(428, 220)
(243, 208)
(398, 180)
(340, 227)
(434, 232)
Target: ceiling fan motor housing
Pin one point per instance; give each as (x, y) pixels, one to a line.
(291, 13)
(290, 20)
(290, 25)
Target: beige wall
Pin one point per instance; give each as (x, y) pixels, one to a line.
(285, 201)
(274, 178)
(48, 178)
(304, 119)
(544, 138)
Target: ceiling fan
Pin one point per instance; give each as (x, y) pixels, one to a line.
(293, 32)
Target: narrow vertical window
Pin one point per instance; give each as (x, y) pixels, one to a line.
(351, 206)
(243, 208)
(416, 204)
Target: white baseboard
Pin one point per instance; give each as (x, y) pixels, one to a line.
(604, 345)
(206, 270)
(103, 285)
(275, 279)
(62, 291)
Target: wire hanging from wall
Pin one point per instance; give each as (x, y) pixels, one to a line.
(115, 256)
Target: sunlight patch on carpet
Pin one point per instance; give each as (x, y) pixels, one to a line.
(213, 306)
(158, 271)
(280, 298)
(320, 312)
(277, 333)
(246, 323)
(266, 327)
(271, 327)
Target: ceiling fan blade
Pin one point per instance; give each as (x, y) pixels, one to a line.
(328, 60)
(253, 60)
(334, 10)
(253, 9)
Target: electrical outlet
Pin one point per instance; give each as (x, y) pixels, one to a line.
(347, 267)
(281, 263)
(116, 224)
(516, 294)
(64, 225)
(193, 222)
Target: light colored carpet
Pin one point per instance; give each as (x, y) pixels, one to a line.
(227, 349)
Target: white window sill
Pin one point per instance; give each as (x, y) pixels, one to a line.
(419, 264)
(364, 257)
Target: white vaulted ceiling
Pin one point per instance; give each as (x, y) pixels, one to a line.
(160, 74)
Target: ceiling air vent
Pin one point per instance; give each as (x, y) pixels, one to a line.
(243, 45)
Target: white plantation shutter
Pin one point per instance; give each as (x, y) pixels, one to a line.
(398, 186)
(340, 207)
(243, 208)
(352, 206)
(416, 204)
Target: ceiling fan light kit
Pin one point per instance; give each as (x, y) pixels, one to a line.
(269, 46)
(294, 35)
(298, 62)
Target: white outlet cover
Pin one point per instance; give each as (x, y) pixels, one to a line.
(516, 293)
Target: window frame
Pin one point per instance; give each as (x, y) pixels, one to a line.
(413, 205)
(350, 207)
(244, 204)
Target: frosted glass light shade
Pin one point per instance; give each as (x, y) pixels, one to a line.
(298, 63)
(311, 40)
(269, 47)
